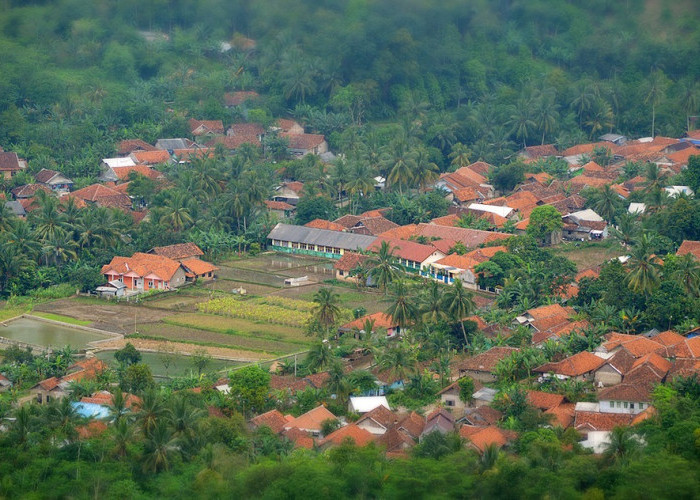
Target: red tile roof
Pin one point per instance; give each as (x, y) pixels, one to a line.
(9, 162)
(377, 225)
(278, 205)
(483, 437)
(544, 400)
(246, 129)
(149, 157)
(300, 438)
(401, 232)
(128, 146)
(213, 126)
(405, 249)
(124, 173)
(234, 141)
(382, 415)
(471, 238)
(486, 361)
(178, 251)
(381, 320)
(29, 190)
(573, 366)
(325, 224)
(199, 267)
(303, 141)
(691, 247)
(143, 264)
(349, 261)
(272, 419)
(49, 384)
(597, 421)
(350, 433)
(541, 151)
(668, 338)
(563, 414)
(311, 420)
(689, 348)
(102, 195)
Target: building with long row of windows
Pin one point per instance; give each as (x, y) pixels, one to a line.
(316, 242)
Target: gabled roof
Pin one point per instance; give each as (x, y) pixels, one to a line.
(350, 433)
(625, 392)
(143, 264)
(279, 205)
(597, 421)
(215, 126)
(573, 366)
(482, 415)
(376, 225)
(301, 234)
(311, 420)
(381, 415)
(150, 157)
(638, 346)
(29, 190)
(124, 173)
(483, 437)
(668, 338)
(405, 249)
(198, 267)
(401, 232)
(691, 247)
(689, 348)
(394, 440)
(246, 129)
(303, 142)
(45, 176)
(97, 193)
(381, 320)
(325, 224)
(9, 162)
(486, 361)
(234, 141)
(178, 251)
(128, 146)
(563, 414)
(412, 424)
(541, 151)
(660, 365)
(300, 438)
(471, 238)
(544, 400)
(272, 419)
(48, 384)
(349, 261)
(471, 259)
(239, 97)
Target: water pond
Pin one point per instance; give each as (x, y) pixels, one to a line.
(46, 334)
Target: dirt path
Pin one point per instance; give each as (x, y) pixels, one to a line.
(180, 348)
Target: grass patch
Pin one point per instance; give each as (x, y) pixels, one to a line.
(9, 312)
(63, 319)
(237, 326)
(163, 331)
(589, 254)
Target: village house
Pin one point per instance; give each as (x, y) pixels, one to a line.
(157, 157)
(272, 419)
(377, 421)
(454, 266)
(5, 383)
(345, 266)
(288, 127)
(289, 192)
(16, 208)
(365, 404)
(691, 247)
(239, 98)
(173, 145)
(584, 225)
(56, 388)
(371, 226)
(281, 209)
(450, 395)
(303, 144)
(411, 256)
(178, 252)
(128, 146)
(142, 272)
(10, 164)
(581, 366)
(102, 196)
(440, 421)
(482, 366)
(28, 191)
(350, 433)
(108, 166)
(205, 127)
(480, 438)
(54, 180)
(317, 242)
(614, 368)
(311, 421)
(376, 321)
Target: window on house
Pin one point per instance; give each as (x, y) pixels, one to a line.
(150, 284)
(625, 404)
(619, 404)
(48, 398)
(631, 406)
(612, 404)
(641, 406)
(449, 402)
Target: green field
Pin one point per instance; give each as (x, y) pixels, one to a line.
(62, 318)
(236, 326)
(239, 341)
(586, 255)
(179, 365)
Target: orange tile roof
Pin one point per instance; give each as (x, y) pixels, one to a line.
(215, 126)
(544, 400)
(381, 320)
(597, 421)
(469, 173)
(659, 363)
(487, 436)
(128, 146)
(691, 247)
(573, 366)
(311, 420)
(349, 261)
(472, 259)
(286, 125)
(469, 193)
(540, 151)
(234, 141)
(592, 166)
(187, 154)
(49, 383)
(548, 311)
(300, 438)
(401, 232)
(377, 225)
(91, 429)
(150, 157)
(278, 205)
(586, 180)
(471, 238)
(683, 156)
(689, 348)
(246, 129)
(143, 264)
(669, 338)
(98, 192)
(563, 414)
(580, 149)
(105, 398)
(480, 167)
(272, 419)
(382, 415)
(625, 392)
(447, 220)
(123, 173)
(199, 267)
(486, 361)
(325, 224)
(405, 249)
(303, 141)
(350, 433)
(541, 177)
(641, 346)
(620, 189)
(178, 251)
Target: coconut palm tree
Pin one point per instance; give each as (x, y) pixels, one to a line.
(177, 211)
(600, 116)
(399, 361)
(431, 303)
(59, 248)
(403, 310)
(122, 435)
(23, 238)
(460, 156)
(627, 229)
(63, 418)
(184, 416)
(158, 447)
(688, 274)
(151, 411)
(319, 356)
(520, 121)
(383, 267)
(644, 269)
(47, 219)
(655, 90)
(327, 309)
(606, 202)
(459, 303)
(401, 166)
(118, 409)
(7, 218)
(623, 444)
(425, 172)
(12, 263)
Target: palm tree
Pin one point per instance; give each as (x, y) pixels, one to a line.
(425, 172)
(606, 202)
(655, 91)
(184, 416)
(521, 121)
(546, 113)
(178, 212)
(327, 309)
(12, 263)
(460, 155)
(398, 361)
(656, 179)
(383, 267)
(152, 410)
(627, 229)
(236, 201)
(688, 274)
(623, 444)
(644, 269)
(63, 418)
(23, 239)
(47, 219)
(158, 448)
(338, 383)
(600, 116)
(118, 408)
(400, 166)
(60, 247)
(7, 218)
(122, 436)
(319, 356)
(24, 424)
(459, 303)
(403, 310)
(431, 303)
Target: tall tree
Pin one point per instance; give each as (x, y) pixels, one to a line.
(459, 303)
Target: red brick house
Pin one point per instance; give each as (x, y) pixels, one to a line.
(143, 272)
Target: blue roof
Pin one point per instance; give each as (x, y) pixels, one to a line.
(91, 410)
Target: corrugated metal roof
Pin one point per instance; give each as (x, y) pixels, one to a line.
(324, 237)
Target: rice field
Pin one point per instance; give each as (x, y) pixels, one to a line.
(237, 326)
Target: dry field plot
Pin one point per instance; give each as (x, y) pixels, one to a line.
(236, 326)
(589, 254)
